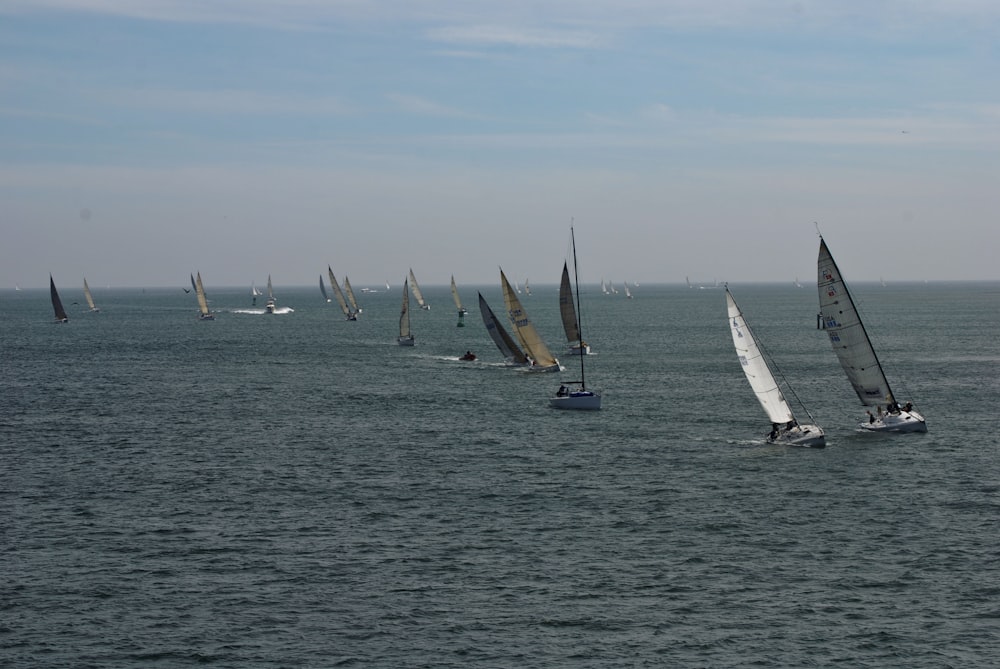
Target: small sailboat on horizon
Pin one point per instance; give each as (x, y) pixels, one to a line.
(785, 429)
(57, 305)
(405, 334)
(89, 297)
(583, 398)
(458, 303)
(840, 318)
(203, 312)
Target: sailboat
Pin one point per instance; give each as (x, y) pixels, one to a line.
(337, 293)
(193, 286)
(628, 293)
(405, 336)
(527, 288)
(271, 303)
(322, 289)
(416, 291)
(350, 297)
(458, 303)
(568, 312)
(89, 297)
(839, 317)
(566, 398)
(512, 353)
(784, 428)
(542, 359)
(57, 306)
(254, 293)
(203, 313)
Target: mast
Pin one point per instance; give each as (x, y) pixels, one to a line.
(579, 328)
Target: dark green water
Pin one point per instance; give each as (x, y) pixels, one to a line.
(297, 490)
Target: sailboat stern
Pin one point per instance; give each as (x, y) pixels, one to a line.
(803, 436)
(903, 421)
(584, 400)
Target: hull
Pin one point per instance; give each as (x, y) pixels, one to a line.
(405, 341)
(583, 349)
(540, 369)
(804, 436)
(904, 421)
(580, 400)
(206, 317)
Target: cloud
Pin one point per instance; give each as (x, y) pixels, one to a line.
(496, 35)
(230, 101)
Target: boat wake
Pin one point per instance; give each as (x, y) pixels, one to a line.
(264, 312)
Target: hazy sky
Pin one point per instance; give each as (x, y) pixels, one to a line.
(142, 140)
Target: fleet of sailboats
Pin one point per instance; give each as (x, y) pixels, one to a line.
(583, 398)
(405, 335)
(57, 305)
(542, 359)
(849, 338)
(785, 429)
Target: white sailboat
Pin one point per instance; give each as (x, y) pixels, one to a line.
(512, 353)
(458, 303)
(203, 313)
(417, 294)
(568, 312)
(350, 297)
(339, 295)
(271, 303)
(57, 305)
(405, 335)
(784, 428)
(628, 292)
(541, 358)
(567, 398)
(839, 317)
(254, 293)
(89, 297)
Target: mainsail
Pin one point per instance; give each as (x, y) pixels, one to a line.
(525, 330)
(404, 316)
(454, 295)
(57, 305)
(322, 288)
(199, 290)
(416, 291)
(337, 293)
(567, 309)
(839, 317)
(350, 296)
(755, 366)
(88, 296)
(508, 347)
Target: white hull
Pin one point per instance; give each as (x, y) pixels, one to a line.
(904, 421)
(805, 436)
(579, 350)
(539, 369)
(585, 400)
(406, 341)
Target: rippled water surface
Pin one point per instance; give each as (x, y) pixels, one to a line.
(297, 490)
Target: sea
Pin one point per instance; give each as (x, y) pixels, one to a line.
(297, 490)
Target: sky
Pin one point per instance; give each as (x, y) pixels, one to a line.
(143, 140)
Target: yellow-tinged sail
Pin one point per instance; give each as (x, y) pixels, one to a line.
(524, 328)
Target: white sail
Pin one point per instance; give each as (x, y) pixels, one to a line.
(88, 296)
(785, 428)
(338, 294)
(271, 303)
(755, 366)
(322, 288)
(405, 336)
(458, 301)
(508, 347)
(839, 317)
(525, 329)
(350, 296)
(199, 290)
(417, 294)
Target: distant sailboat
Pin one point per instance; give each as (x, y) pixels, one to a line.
(785, 429)
(542, 359)
(628, 293)
(57, 306)
(839, 317)
(322, 289)
(271, 303)
(417, 294)
(576, 399)
(193, 286)
(511, 352)
(254, 293)
(458, 303)
(527, 288)
(405, 335)
(350, 297)
(567, 309)
(89, 297)
(203, 313)
(339, 295)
